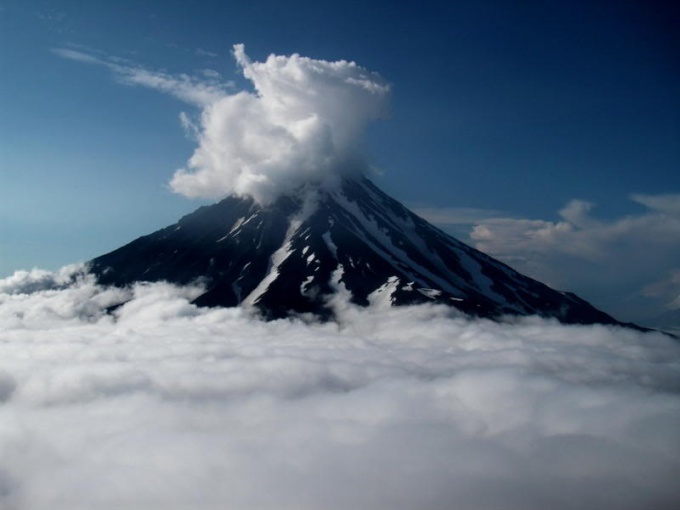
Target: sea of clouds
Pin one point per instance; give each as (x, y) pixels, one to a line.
(159, 404)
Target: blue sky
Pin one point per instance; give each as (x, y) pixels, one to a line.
(545, 133)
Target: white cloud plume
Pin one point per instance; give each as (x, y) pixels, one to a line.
(166, 405)
(303, 122)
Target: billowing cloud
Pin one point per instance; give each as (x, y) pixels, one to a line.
(582, 235)
(303, 122)
(161, 404)
(620, 264)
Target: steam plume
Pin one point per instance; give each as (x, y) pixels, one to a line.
(304, 122)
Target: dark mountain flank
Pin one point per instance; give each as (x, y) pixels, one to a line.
(292, 256)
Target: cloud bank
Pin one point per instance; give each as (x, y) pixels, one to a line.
(164, 405)
(582, 235)
(627, 265)
(302, 123)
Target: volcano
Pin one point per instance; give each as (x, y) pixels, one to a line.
(293, 256)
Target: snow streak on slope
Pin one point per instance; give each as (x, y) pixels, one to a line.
(378, 238)
(286, 249)
(165, 405)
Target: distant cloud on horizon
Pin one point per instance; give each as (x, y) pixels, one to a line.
(630, 253)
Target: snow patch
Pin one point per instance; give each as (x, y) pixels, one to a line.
(430, 293)
(383, 244)
(237, 224)
(309, 289)
(482, 281)
(250, 218)
(279, 256)
(383, 296)
(330, 244)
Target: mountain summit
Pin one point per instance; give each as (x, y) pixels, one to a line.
(292, 256)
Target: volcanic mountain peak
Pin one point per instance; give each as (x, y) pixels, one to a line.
(292, 256)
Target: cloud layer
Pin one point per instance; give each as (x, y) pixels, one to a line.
(627, 266)
(163, 405)
(303, 122)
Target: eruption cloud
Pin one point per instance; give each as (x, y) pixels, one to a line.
(303, 123)
(160, 404)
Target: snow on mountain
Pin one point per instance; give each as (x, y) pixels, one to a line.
(292, 256)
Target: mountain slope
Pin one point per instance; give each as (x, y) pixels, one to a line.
(291, 256)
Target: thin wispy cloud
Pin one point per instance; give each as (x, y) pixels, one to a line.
(78, 56)
(210, 73)
(303, 122)
(200, 91)
(205, 53)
